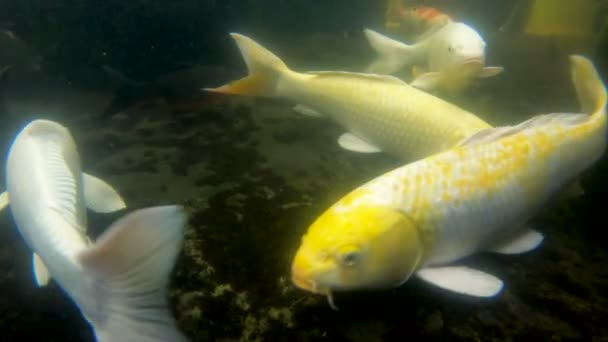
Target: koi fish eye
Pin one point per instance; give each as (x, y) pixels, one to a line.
(349, 255)
(350, 258)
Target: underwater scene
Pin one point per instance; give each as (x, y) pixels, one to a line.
(273, 170)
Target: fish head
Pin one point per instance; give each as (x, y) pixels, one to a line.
(356, 245)
(463, 46)
(45, 128)
(46, 131)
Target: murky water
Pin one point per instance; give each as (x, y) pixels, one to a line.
(253, 174)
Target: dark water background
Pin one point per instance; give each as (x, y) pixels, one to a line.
(254, 174)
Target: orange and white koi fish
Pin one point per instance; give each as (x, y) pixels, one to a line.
(416, 20)
(452, 57)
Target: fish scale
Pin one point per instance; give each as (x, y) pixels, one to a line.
(63, 183)
(386, 113)
(493, 184)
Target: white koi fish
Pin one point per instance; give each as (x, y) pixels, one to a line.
(450, 58)
(118, 282)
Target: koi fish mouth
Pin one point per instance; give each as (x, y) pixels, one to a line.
(473, 60)
(304, 284)
(311, 286)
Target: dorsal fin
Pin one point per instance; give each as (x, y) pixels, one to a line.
(591, 93)
(370, 76)
(566, 119)
(492, 134)
(487, 135)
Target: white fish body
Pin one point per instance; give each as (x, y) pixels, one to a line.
(452, 57)
(48, 194)
(379, 112)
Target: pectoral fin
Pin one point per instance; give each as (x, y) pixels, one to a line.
(100, 196)
(490, 71)
(521, 243)
(41, 273)
(3, 200)
(428, 81)
(306, 111)
(351, 142)
(462, 279)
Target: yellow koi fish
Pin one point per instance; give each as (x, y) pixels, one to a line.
(380, 112)
(478, 196)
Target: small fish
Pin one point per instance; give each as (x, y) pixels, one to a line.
(451, 58)
(16, 52)
(429, 18)
(379, 112)
(421, 218)
(118, 282)
(416, 21)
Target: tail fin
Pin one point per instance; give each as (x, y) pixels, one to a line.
(392, 55)
(590, 89)
(264, 67)
(130, 265)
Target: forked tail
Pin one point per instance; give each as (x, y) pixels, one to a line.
(590, 89)
(392, 55)
(129, 266)
(265, 70)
